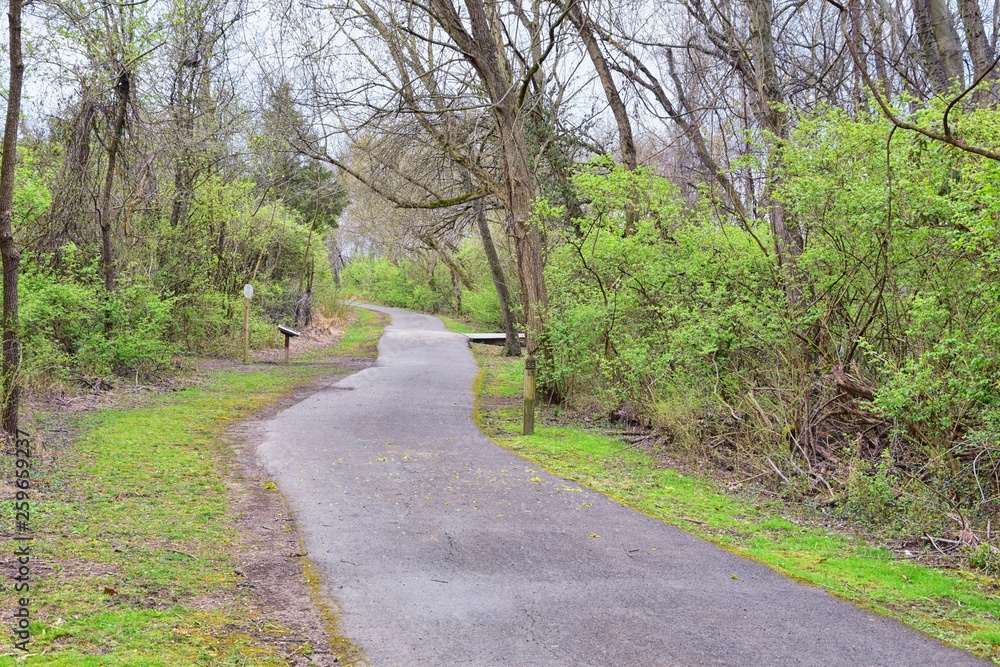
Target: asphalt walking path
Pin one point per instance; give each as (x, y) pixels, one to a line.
(441, 548)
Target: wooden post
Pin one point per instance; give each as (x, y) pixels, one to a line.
(529, 396)
(288, 334)
(246, 330)
(247, 294)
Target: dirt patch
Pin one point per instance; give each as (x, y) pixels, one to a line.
(273, 563)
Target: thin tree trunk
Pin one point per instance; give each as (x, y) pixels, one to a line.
(456, 290)
(773, 120)
(182, 191)
(878, 48)
(107, 259)
(512, 343)
(338, 260)
(184, 118)
(625, 138)
(9, 253)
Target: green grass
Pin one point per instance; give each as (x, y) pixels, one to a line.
(960, 608)
(360, 340)
(134, 531)
(456, 325)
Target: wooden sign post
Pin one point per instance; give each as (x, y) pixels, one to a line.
(247, 293)
(288, 334)
(529, 396)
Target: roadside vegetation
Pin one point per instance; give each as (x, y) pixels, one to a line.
(136, 548)
(875, 397)
(809, 543)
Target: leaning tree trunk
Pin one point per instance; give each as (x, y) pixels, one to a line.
(625, 138)
(9, 253)
(512, 344)
(107, 258)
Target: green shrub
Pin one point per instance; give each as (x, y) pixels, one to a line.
(75, 327)
(482, 306)
(985, 558)
(872, 494)
(402, 285)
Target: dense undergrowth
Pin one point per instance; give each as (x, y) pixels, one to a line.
(864, 377)
(177, 282)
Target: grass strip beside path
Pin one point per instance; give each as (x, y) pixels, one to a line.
(958, 607)
(133, 561)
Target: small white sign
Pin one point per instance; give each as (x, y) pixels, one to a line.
(248, 290)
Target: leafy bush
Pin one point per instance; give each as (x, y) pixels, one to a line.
(73, 327)
(657, 314)
(402, 285)
(673, 312)
(482, 306)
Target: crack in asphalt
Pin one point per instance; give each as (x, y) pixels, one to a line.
(441, 548)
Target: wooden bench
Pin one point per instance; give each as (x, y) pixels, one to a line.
(490, 338)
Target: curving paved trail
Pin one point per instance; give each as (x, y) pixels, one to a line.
(442, 548)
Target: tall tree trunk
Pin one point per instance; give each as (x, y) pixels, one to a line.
(456, 290)
(929, 56)
(185, 80)
(773, 120)
(948, 42)
(483, 50)
(9, 253)
(940, 48)
(527, 236)
(122, 91)
(980, 49)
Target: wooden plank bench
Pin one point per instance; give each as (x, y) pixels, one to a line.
(489, 338)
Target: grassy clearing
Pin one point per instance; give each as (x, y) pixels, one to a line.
(958, 607)
(133, 559)
(456, 325)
